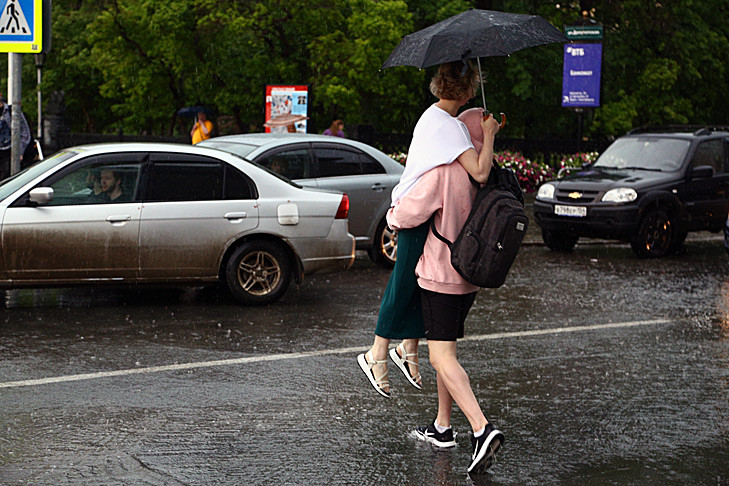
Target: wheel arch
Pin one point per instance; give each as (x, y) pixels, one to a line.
(297, 267)
(666, 201)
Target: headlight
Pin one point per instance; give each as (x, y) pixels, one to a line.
(546, 192)
(620, 195)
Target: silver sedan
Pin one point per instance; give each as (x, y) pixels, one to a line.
(364, 173)
(156, 213)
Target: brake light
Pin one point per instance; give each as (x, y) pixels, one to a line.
(343, 210)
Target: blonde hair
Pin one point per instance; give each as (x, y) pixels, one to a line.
(451, 83)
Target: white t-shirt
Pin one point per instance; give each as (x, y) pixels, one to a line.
(438, 139)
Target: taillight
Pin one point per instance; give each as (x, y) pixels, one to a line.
(343, 210)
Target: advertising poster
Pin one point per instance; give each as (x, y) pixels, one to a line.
(581, 77)
(286, 108)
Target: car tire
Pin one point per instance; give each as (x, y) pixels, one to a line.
(384, 247)
(559, 240)
(258, 272)
(654, 236)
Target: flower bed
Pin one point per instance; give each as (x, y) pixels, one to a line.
(531, 174)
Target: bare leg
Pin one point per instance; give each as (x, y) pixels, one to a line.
(411, 347)
(453, 380)
(379, 353)
(445, 404)
(379, 348)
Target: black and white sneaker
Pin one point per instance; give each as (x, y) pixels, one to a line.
(485, 448)
(430, 434)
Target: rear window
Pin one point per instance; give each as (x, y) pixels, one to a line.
(239, 149)
(650, 153)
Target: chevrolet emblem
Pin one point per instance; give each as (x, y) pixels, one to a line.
(574, 195)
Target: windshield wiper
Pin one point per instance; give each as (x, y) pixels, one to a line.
(652, 169)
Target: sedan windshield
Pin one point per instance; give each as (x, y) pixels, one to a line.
(15, 182)
(647, 153)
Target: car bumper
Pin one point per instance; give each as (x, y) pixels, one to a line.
(331, 254)
(618, 222)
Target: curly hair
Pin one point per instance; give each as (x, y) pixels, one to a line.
(450, 83)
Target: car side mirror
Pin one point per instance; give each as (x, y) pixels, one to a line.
(41, 195)
(702, 172)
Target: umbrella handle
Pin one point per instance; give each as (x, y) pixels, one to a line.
(487, 114)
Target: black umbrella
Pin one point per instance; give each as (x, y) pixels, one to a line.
(192, 111)
(473, 33)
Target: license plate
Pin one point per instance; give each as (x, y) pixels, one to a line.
(574, 211)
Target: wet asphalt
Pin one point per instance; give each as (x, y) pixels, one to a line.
(599, 367)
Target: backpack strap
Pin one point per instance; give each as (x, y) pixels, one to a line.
(438, 235)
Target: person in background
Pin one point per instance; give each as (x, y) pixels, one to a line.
(111, 186)
(336, 130)
(202, 129)
(6, 135)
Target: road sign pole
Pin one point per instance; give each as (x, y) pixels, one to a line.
(16, 70)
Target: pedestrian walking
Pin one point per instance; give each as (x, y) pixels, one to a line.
(439, 138)
(445, 194)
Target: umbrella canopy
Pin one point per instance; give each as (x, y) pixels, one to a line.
(192, 111)
(473, 33)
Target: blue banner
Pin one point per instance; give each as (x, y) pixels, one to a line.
(581, 77)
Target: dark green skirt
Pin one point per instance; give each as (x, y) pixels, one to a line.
(400, 314)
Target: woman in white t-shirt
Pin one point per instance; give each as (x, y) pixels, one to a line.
(439, 138)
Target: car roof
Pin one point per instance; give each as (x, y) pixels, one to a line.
(272, 139)
(681, 132)
(103, 148)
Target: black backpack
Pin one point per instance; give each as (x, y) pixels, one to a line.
(490, 239)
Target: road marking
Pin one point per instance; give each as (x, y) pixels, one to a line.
(309, 354)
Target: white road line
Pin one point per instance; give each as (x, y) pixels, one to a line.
(309, 354)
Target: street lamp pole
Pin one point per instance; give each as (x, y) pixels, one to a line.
(39, 59)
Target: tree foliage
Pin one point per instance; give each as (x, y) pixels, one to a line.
(130, 65)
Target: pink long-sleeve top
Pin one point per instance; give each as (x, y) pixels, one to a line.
(447, 192)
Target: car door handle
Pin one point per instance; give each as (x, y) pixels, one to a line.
(378, 187)
(118, 218)
(235, 215)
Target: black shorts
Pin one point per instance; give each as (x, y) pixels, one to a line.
(444, 314)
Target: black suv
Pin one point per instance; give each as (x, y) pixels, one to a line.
(650, 187)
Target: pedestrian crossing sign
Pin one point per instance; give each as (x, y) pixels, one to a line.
(21, 26)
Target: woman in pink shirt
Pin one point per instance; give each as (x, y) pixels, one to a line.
(439, 138)
(447, 194)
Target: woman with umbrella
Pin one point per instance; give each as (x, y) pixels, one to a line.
(439, 138)
(202, 129)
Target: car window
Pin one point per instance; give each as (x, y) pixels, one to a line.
(240, 149)
(710, 153)
(290, 163)
(370, 165)
(185, 181)
(238, 185)
(337, 162)
(107, 179)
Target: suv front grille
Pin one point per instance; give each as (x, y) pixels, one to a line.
(575, 196)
